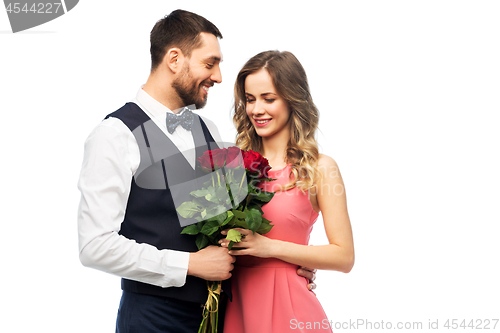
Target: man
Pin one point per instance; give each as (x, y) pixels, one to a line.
(132, 230)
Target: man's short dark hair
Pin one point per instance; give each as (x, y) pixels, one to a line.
(179, 29)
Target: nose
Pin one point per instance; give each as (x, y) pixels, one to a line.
(258, 108)
(216, 75)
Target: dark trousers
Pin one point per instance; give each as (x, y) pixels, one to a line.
(151, 314)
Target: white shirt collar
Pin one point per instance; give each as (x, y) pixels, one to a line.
(155, 108)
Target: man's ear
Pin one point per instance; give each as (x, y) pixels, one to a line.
(173, 59)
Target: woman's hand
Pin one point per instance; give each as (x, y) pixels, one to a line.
(262, 246)
(251, 244)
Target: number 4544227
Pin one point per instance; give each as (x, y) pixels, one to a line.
(36, 8)
(479, 324)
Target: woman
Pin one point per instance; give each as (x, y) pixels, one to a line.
(275, 116)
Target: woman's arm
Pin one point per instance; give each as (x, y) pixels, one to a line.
(331, 200)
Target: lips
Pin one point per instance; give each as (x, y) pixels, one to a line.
(205, 86)
(262, 122)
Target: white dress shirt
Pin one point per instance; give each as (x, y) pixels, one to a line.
(111, 158)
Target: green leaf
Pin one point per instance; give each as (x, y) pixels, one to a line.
(212, 198)
(230, 216)
(199, 193)
(264, 196)
(265, 227)
(214, 238)
(257, 207)
(219, 218)
(209, 227)
(211, 195)
(254, 219)
(239, 214)
(268, 179)
(188, 209)
(234, 235)
(191, 230)
(201, 202)
(241, 224)
(221, 194)
(240, 218)
(214, 212)
(201, 241)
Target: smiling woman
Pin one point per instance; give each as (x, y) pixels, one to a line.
(285, 90)
(275, 116)
(267, 110)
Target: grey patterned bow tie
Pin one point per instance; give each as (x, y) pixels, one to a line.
(185, 120)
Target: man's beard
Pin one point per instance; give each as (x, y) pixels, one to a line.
(187, 89)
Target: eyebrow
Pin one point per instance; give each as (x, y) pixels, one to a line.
(263, 94)
(213, 58)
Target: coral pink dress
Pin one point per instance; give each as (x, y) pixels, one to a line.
(268, 295)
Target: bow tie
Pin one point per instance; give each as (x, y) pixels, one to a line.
(185, 120)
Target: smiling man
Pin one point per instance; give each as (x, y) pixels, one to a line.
(185, 77)
(130, 230)
(127, 221)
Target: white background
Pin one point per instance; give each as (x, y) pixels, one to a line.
(409, 98)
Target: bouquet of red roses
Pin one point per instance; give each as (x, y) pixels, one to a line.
(230, 199)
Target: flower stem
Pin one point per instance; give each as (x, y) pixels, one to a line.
(211, 310)
(241, 183)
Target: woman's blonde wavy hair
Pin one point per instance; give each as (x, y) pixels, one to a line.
(290, 81)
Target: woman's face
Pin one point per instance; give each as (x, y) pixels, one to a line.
(268, 112)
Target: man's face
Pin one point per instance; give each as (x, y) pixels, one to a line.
(199, 72)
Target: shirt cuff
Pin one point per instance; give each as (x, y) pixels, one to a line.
(175, 268)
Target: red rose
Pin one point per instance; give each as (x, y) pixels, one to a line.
(206, 161)
(212, 159)
(234, 157)
(265, 168)
(219, 156)
(256, 164)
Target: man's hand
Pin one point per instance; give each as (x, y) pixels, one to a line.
(309, 274)
(212, 263)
